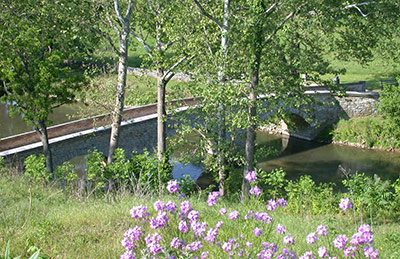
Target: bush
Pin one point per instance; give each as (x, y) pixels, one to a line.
(390, 103)
(138, 173)
(35, 168)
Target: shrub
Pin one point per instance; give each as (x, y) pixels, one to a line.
(35, 168)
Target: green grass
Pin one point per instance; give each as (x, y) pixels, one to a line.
(64, 226)
(371, 132)
(380, 68)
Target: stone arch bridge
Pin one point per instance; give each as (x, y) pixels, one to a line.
(139, 130)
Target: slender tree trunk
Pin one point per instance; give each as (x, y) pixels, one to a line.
(161, 117)
(119, 102)
(251, 130)
(42, 132)
(221, 108)
(256, 44)
(161, 124)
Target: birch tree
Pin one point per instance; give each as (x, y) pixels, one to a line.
(159, 30)
(120, 22)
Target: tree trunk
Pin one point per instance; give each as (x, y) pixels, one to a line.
(119, 102)
(250, 132)
(256, 44)
(161, 123)
(221, 108)
(42, 132)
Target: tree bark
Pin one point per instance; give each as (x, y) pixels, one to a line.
(221, 108)
(257, 46)
(123, 37)
(42, 132)
(251, 129)
(119, 101)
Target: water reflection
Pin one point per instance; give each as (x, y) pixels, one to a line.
(12, 126)
(326, 163)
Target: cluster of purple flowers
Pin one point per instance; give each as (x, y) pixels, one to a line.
(212, 198)
(255, 191)
(187, 222)
(251, 176)
(173, 186)
(345, 204)
(273, 204)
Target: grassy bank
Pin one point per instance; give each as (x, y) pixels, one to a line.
(64, 226)
(373, 132)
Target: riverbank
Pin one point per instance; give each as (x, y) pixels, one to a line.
(372, 133)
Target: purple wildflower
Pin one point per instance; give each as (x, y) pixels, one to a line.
(158, 205)
(219, 224)
(199, 228)
(257, 232)
(280, 229)
(222, 211)
(345, 204)
(171, 207)
(212, 198)
(282, 202)
(272, 204)
(323, 252)
(153, 243)
(340, 241)
(307, 255)
(255, 191)
(311, 238)
(233, 215)
(183, 227)
(138, 212)
(322, 230)
(173, 186)
(185, 207)
(194, 246)
(350, 251)
(227, 246)
(251, 176)
(211, 235)
(369, 252)
(249, 214)
(175, 243)
(193, 215)
(288, 239)
(265, 254)
(204, 255)
(128, 255)
(263, 216)
(249, 244)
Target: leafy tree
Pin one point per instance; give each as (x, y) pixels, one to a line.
(36, 39)
(159, 28)
(120, 23)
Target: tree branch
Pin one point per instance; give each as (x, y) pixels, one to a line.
(166, 46)
(129, 10)
(207, 14)
(356, 6)
(118, 12)
(107, 37)
(290, 15)
(110, 22)
(169, 74)
(146, 46)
